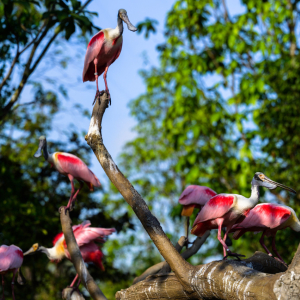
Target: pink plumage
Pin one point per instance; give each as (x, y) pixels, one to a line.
(71, 166)
(194, 196)
(225, 210)
(103, 49)
(268, 218)
(11, 259)
(86, 237)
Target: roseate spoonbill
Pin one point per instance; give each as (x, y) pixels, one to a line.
(85, 237)
(225, 210)
(11, 259)
(71, 166)
(103, 49)
(194, 196)
(268, 218)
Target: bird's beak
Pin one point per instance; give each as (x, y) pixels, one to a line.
(32, 250)
(129, 25)
(273, 184)
(38, 153)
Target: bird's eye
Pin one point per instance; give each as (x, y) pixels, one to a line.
(261, 176)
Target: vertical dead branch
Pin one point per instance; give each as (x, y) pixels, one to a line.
(94, 139)
(76, 257)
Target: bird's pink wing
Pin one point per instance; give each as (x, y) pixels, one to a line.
(73, 165)
(117, 53)
(196, 194)
(93, 49)
(10, 258)
(215, 208)
(85, 234)
(265, 215)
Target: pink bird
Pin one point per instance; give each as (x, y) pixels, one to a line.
(11, 259)
(194, 196)
(103, 49)
(268, 218)
(225, 210)
(85, 237)
(71, 166)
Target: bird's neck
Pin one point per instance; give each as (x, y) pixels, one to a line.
(119, 28)
(254, 194)
(52, 253)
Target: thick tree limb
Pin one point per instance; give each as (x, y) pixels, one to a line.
(216, 280)
(132, 197)
(76, 257)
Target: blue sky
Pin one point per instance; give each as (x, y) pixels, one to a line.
(123, 79)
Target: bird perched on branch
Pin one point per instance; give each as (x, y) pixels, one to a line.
(85, 237)
(103, 49)
(225, 210)
(268, 218)
(194, 196)
(11, 259)
(71, 166)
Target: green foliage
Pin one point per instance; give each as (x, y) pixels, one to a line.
(223, 104)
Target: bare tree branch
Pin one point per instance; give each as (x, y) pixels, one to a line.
(76, 257)
(11, 68)
(94, 139)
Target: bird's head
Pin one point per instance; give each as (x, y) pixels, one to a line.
(122, 14)
(34, 249)
(42, 145)
(261, 179)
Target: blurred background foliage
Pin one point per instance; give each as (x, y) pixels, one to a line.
(221, 105)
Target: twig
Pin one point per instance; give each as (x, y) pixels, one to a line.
(11, 68)
(94, 139)
(76, 257)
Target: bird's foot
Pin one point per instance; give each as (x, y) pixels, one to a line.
(66, 208)
(229, 253)
(97, 96)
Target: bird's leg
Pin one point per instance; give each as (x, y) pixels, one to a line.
(3, 297)
(106, 87)
(187, 231)
(224, 240)
(229, 253)
(77, 285)
(72, 192)
(220, 238)
(261, 240)
(75, 279)
(75, 195)
(98, 93)
(13, 284)
(276, 252)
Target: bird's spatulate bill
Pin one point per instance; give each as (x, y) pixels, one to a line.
(38, 153)
(277, 184)
(129, 25)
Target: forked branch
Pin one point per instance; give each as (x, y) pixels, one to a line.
(133, 198)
